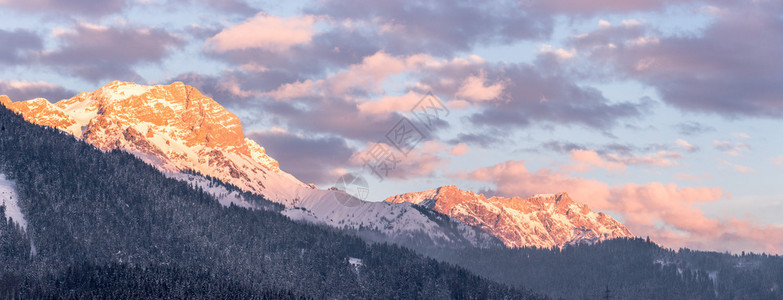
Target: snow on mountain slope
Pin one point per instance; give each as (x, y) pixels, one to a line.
(546, 220)
(9, 199)
(401, 223)
(173, 127)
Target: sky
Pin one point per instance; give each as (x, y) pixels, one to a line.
(666, 114)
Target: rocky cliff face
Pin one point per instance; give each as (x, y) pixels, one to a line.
(541, 221)
(173, 127)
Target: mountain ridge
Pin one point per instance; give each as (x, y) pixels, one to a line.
(544, 220)
(177, 129)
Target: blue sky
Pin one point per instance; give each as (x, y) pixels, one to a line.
(664, 114)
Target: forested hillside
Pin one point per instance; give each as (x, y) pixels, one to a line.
(104, 223)
(630, 269)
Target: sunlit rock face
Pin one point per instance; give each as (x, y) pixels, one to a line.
(173, 127)
(542, 220)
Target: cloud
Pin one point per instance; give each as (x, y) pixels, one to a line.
(231, 6)
(330, 115)
(350, 102)
(692, 128)
(740, 135)
(311, 159)
(18, 46)
(97, 52)
(562, 147)
(224, 89)
(363, 78)
(738, 80)
(683, 144)
(524, 86)
(475, 88)
(391, 104)
(26, 90)
(558, 53)
(481, 139)
(576, 7)
(330, 49)
(440, 27)
(667, 213)
(615, 156)
(778, 160)
(385, 161)
(737, 167)
(731, 148)
(83, 7)
(372, 72)
(683, 176)
(660, 158)
(459, 149)
(346, 68)
(584, 160)
(265, 32)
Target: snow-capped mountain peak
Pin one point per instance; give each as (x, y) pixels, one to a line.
(544, 220)
(173, 127)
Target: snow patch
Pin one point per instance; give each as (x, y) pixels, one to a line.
(356, 262)
(125, 91)
(544, 195)
(224, 196)
(9, 199)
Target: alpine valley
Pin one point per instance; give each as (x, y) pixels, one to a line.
(154, 191)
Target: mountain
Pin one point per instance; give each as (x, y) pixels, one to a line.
(173, 127)
(106, 225)
(186, 134)
(190, 137)
(542, 220)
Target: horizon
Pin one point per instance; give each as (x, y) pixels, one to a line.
(661, 114)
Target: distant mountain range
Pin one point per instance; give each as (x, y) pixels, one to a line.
(177, 129)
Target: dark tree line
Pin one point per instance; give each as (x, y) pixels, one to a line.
(629, 268)
(106, 223)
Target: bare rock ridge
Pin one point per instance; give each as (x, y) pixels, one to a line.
(173, 127)
(542, 220)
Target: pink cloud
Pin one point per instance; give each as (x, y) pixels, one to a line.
(391, 104)
(423, 161)
(659, 159)
(585, 160)
(667, 213)
(685, 145)
(737, 167)
(476, 88)
(733, 149)
(294, 90)
(373, 71)
(265, 32)
(459, 149)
